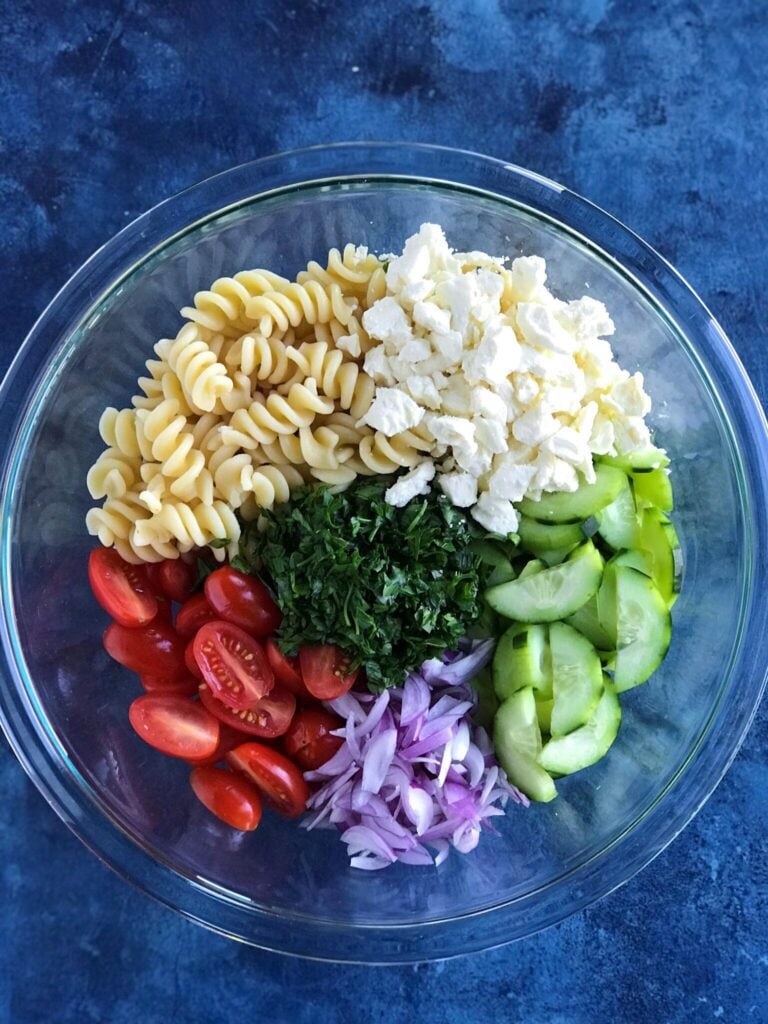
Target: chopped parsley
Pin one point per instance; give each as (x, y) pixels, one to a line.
(390, 586)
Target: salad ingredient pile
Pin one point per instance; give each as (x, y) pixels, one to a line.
(355, 519)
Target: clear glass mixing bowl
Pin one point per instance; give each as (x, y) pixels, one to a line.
(64, 703)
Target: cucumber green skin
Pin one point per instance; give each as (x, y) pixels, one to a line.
(557, 556)
(522, 659)
(635, 559)
(537, 537)
(619, 526)
(544, 715)
(656, 539)
(586, 620)
(531, 568)
(517, 741)
(501, 573)
(517, 600)
(576, 506)
(576, 692)
(654, 488)
(638, 462)
(565, 755)
(489, 553)
(639, 653)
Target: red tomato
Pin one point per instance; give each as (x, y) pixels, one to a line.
(243, 599)
(279, 780)
(184, 686)
(233, 664)
(228, 796)
(122, 589)
(174, 725)
(164, 611)
(269, 717)
(326, 671)
(286, 669)
(193, 614)
(153, 650)
(229, 738)
(190, 661)
(173, 578)
(309, 741)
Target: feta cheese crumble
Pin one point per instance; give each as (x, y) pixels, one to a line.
(518, 389)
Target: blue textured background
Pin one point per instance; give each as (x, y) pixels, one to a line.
(657, 111)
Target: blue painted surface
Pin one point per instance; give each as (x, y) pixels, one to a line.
(658, 112)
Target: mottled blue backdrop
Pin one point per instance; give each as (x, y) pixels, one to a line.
(655, 110)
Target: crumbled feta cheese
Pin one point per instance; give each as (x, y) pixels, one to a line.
(460, 488)
(526, 278)
(350, 343)
(539, 327)
(432, 317)
(495, 514)
(534, 426)
(411, 485)
(386, 320)
(514, 389)
(423, 390)
(510, 479)
(392, 411)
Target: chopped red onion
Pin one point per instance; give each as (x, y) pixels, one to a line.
(414, 775)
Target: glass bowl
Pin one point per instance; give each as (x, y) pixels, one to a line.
(64, 703)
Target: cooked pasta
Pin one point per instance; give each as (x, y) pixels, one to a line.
(260, 391)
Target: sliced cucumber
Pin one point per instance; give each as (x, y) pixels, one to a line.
(522, 659)
(586, 745)
(537, 537)
(643, 627)
(654, 488)
(577, 678)
(635, 559)
(606, 603)
(530, 568)
(618, 523)
(642, 461)
(501, 573)
(576, 506)
(490, 554)
(657, 540)
(587, 621)
(544, 714)
(557, 556)
(553, 593)
(517, 740)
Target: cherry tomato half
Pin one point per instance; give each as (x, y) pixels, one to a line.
(190, 661)
(230, 797)
(153, 650)
(243, 599)
(233, 664)
(193, 614)
(174, 725)
(229, 738)
(122, 589)
(286, 669)
(184, 686)
(326, 671)
(279, 780)
(308, 741)
(269, 717)
(173, 578)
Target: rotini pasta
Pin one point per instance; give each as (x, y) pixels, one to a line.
(290, 305)
(223, 307)
(202, 377)
(259, 392)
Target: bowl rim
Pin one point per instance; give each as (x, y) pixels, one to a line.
(424, 164)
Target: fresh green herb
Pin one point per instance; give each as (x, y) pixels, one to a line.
(204, 570)
(218, 542)
(390, 586)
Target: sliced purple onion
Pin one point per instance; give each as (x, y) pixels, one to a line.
(414, 775)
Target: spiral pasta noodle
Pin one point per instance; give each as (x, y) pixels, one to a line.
(203, 378)
(289, 306)
(223, 307)
(338, 378)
